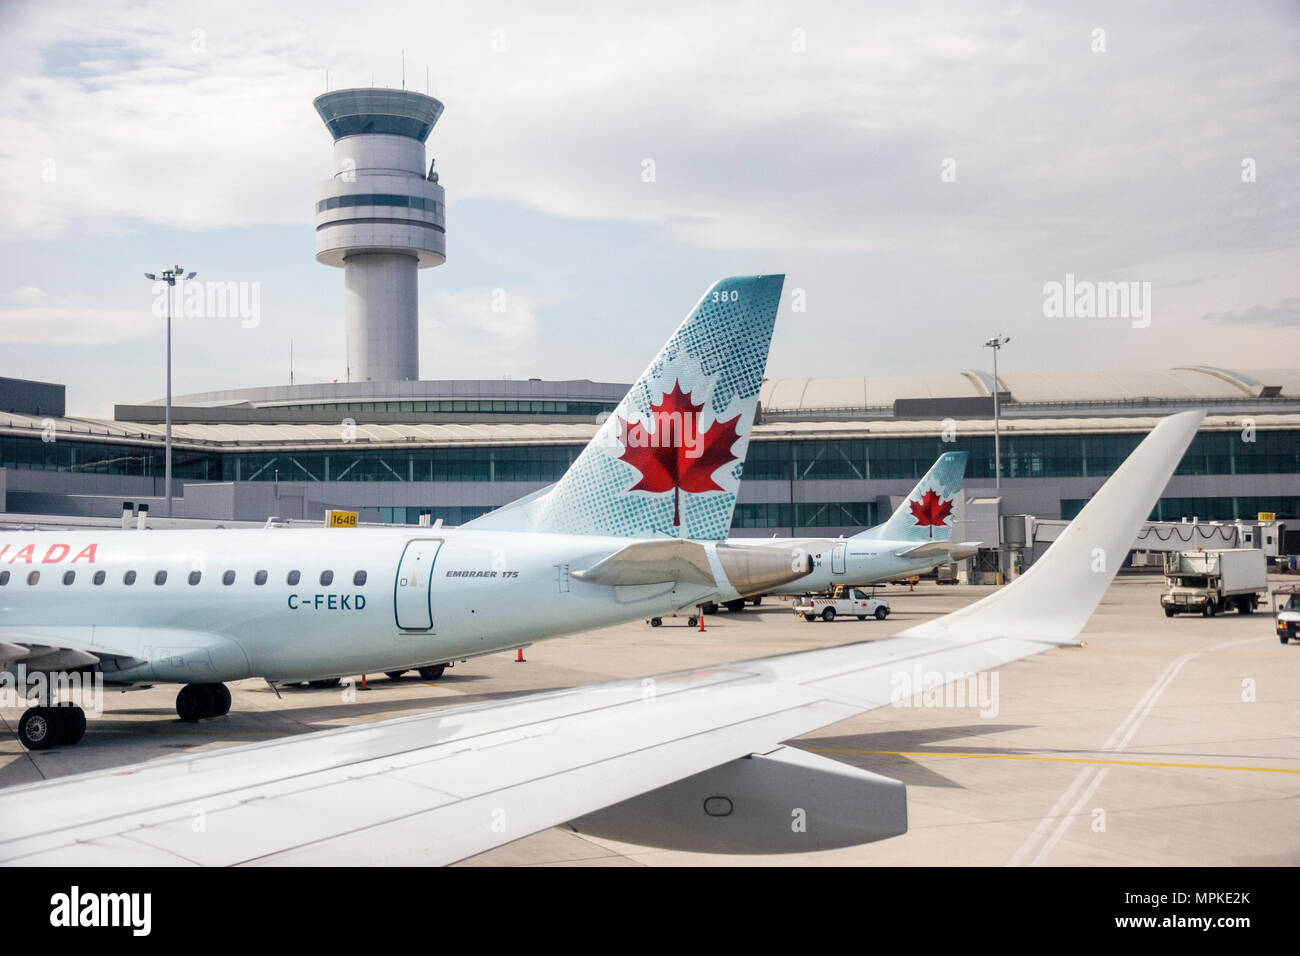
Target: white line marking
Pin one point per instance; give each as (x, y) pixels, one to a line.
(1089, 779)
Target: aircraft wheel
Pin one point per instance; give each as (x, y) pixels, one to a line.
(220, 700)
(710, 608)
(828, 615)
(40, 728)
(692, 621)
(394, 675)
(882, 613)
(74, 724)
(194, 702)
(325, 684)
(735, 606)
(756, 601)
(432, 672)
(656, 621)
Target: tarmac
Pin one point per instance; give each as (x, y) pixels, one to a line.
(1161, 742)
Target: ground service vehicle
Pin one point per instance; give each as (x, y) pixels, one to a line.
(1207, 582)
(841, 602)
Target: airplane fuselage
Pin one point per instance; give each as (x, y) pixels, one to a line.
(291, 604)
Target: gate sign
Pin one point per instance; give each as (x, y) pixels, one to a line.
(1267, 516)
(341, 519)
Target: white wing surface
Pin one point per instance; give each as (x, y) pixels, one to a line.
(690, 759)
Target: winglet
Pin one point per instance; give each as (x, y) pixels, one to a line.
(1053, 600)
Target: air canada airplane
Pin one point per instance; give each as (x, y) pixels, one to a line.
(635, 528)
(916, 537)
(690, 760)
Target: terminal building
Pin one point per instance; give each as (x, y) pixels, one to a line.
(828, 456)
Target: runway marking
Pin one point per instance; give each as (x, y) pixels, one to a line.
(1036, 757)
(1089, 778)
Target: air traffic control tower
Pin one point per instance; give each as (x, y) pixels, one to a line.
(380, 218)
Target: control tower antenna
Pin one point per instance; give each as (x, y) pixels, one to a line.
(380, 220)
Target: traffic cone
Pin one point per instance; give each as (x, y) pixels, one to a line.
(363, 682)
(519, 657)
(701, 610)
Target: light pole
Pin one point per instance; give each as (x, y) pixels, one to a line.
(996, 344)
(169, 276)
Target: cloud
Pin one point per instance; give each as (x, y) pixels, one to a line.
(497, 327)
(37, 318)
(1287, 312)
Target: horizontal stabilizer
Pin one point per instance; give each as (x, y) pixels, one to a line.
(949, 550)
(652, 562)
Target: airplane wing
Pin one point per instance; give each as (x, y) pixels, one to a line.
(690, 759)
(62, 649)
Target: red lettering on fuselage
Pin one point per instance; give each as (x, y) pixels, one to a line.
(55, 554)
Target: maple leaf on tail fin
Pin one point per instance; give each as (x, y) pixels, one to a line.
(677, 456)
(929, 511)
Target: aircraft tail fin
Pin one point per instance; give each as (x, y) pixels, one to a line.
(926, 515)
(668, 460)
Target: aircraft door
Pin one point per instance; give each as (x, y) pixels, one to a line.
(837, 559)
(412, 596)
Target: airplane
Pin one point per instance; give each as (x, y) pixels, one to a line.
(916, 538)
(635, 528)
(690, 760)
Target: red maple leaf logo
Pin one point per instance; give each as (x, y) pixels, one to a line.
(929, 511)
(677, 456)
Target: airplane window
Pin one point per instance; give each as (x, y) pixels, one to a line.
(326, 578)
(195, 577)
(4, 578)
(69, 577)
(359, 578)
(228, 578)
(128, 578)
(293, 578)
(33, 577)
(259, 578)
(160, 578)
(99, 578)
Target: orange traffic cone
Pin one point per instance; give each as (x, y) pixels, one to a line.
(519, 657)
(701, 610)
(363, 682)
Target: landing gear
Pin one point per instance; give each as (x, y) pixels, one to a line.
(394, 675)
(692, 621)
(325, 684)
(43, 727)
(432, 672)
(756, 601)
(197, 701)
(656, 622)
(735, 606)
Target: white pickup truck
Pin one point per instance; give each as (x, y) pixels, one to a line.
(843, 602)
(1286, 603)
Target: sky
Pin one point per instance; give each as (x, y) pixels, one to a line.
(921, 172)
